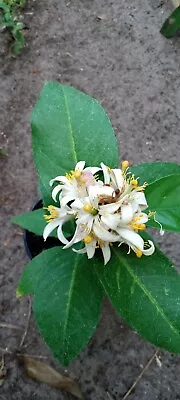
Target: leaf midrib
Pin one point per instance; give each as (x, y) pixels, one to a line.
(69, 297)
(70, 128)
(146, 292)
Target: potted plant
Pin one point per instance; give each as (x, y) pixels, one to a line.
(96, 210)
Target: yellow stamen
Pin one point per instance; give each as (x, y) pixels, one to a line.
(69, 176)
(53, 213)
(90, 209)
(139, 253)
(77, 174)
(74, 174)
(142, 187)
(142, 227)
(134, 182)
(134, 224)
(125, 165)
(137, 227)
(47, 217)
(151, 214)
(88, 239)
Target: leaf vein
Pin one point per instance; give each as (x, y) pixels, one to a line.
(148, 294)
(70, 127)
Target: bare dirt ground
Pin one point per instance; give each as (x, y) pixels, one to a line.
(123, 61)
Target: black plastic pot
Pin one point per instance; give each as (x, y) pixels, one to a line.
(35, 244)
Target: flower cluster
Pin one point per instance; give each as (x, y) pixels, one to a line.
(105, 211)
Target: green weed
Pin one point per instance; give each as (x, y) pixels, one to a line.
(9, 20)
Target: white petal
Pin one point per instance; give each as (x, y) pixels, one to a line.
(90, 223)
(93, 196)
(143, 218)
(93, 170)
(139, 197)
(92, 192)
(126, 213)
(77, 204)
(106, 253)
(110, 208)
(80, 165)
(84, 218)
(66, 199)
(117, 177)
(55, 191)
(103, 234)
(61, 178)
(90, 248)
(132, 238)
(134, 205)
(65, 211)
(49, 228)
(80, 251)
(150, 251)
(60, 234)
(106, 191)
(78, 236)
(105, 173)
(99, 190)
(111, 220)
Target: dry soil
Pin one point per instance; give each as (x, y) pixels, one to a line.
(122, 60)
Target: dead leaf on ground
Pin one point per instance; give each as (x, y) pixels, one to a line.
(176, 3)
(44, 373)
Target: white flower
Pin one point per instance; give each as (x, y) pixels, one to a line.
(74, 184)
(105, 211)
(56, 218)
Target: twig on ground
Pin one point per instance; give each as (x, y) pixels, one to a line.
(17, 353)
(140, 375)
(17, 350)
(27, 325)
(11, 326)
(34, 356)
(109, 396)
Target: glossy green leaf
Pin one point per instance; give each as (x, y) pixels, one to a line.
(172, 24)
(152, 171)
(67, 299)
(69, 126)
(146, 293)
(163, 196)
(34, 222)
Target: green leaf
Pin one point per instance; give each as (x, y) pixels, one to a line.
(67, 299)
(163, 196)
(4, 6)
(172, 24)
(153, 171)
(34, 222)
(69, 126)
(146, 293)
